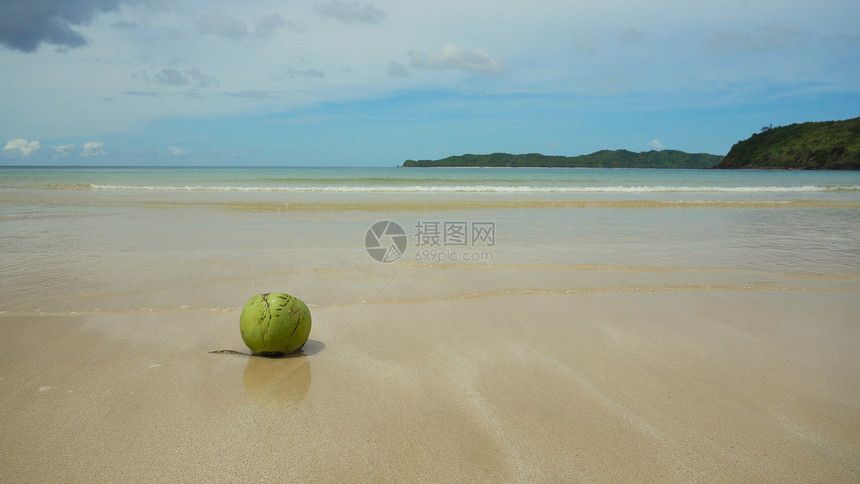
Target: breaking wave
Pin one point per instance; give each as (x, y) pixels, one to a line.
(458, 188)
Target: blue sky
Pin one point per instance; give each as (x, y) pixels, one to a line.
(346, 83)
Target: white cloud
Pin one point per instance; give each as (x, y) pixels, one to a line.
(63, 150)
(177, 151)
(452, 57)
(93, 148)
(20, 146)
(655, 145)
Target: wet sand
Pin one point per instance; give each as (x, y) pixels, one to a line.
(629, 343)
(636, 383)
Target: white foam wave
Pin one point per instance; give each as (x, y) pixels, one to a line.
(484, 188)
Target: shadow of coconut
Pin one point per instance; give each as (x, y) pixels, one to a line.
(277, 383)
(310, 348)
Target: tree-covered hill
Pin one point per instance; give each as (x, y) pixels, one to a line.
(599, 159)
(829, 145)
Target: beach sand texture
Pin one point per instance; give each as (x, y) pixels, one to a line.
(659, 351)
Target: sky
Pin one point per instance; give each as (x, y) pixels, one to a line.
(354, 83)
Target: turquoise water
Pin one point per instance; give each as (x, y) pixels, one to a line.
(80, 231)
(525, 180)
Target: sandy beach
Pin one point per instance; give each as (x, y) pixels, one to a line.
(675, 385)
(573, 356)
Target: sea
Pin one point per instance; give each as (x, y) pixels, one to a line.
(617, 182)
(91, 230)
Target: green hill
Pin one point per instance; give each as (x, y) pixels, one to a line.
(829, 145)
(599, 159)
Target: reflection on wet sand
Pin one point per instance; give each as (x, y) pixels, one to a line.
(280, 383)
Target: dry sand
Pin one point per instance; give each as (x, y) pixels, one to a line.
(716, 381)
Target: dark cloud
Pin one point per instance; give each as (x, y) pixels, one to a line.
(270, 24)
(171, 77)
(630, 35)
(143, 93)
(587, 43)
(256, 94)
(200, 79)
(194, 93)
(350, 12)
(765, 38)
(125, 25)
(230, 28)
(294, 73)
(398, 70)
(26, 24)
(273, 23)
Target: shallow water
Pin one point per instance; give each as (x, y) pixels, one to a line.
(84, 232)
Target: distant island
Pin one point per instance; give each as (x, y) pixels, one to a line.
(829, 145)
(599, 159)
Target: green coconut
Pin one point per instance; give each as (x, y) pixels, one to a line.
(275, 323)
